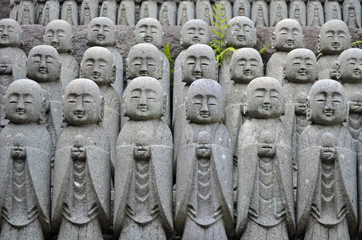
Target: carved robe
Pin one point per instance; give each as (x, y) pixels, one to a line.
(6, 78)
(109, 10)
(126, 13)
(25, 184)
(69, 70)
(265, 187)
(81, 195)
(185, 12)
(327, 195)
(70, 12)
(260, 13)
(202, 212)
(143, 191)
(315, 13)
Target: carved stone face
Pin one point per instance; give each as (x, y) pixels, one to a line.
(287, 35)
(6, 65)
(334, 37)
(58, 34)
(327, 102)
(264, 98)
(141, 150)
(300, 104)
(205, 102)
(82, 102)
(199, 62)
(97, 65)
(144, 60)
(23, 101)
(301, 66)
(43, 64)
(355, 103)
(101, 32)
(350, 65)
(195, 31)
(144, 99)
(241, 33)
(246, 64)
(11, 33)
(149, 30)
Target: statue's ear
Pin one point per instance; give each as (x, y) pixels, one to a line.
(319, 43)
(308, 112)
(101, 112)
(338, 71)
(72, 43)
(273, 43)
(285, 72)
(113, 74)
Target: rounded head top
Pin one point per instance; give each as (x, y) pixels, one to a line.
(195, 31)
(82, 102)
(144, 99)
(334, 37)
(58, 34)
(246, 64)
(101, 31)
(149, 30)
(11, 33)
(350, 65)
(97, 65)
(287, 35)
(43, 64)
(301, 66)
(264, 98)
(327, 103)
(205, 102)
(24, 101)
(241, 32)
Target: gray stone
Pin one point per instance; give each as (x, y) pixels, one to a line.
(26, 13)
(148, 9)
(352, 13)
(326, 148)
(315, 13)
(25, 147)
(204, 196)
(332, 10)
(109, 10)
(88, 11)
(334, 38)
(260, 13)
(69, 12)
(143, 177)
(287, 35)
(102, 32)
(242, 8)
(126, 13)
(50, 12)
(278, 11)
(354, 121)
(185, 12)
(204, 11)
(298, 11)
(98, 66)
(44, 66)
(167, 14)
(265, 174)
(58, 34)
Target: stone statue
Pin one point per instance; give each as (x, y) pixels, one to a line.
(82, 168)
(300, 72)
(70, 12)
(148, 9)
(242, 8)
(327, 186)
(109, 10)
(204, 11)
(298, 11)
(12, 59)
(126, 13)
(44, 66)
(334, 38)
(167, 14)
(287, 35)
(185, 12)
(278, 11)
(102, 32)
(352, 13)
(97, 65)
(26, 13)
(198, 62)
(58, 34)
(149, 30)
(143, 177)
(354, 121)
(227, 9)
(245, 65)
(88, 11)
(332, 10)
(39, 7)
(50, 12)
(204, 196)
(14, 4)
(265, 176)
(315, 13)
(260, 13)
(25, 164)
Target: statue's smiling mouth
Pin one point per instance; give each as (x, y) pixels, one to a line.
(20, 111)
(96, 75)
(336, 45)
(241, 38)
(196, 39)
(79, 113)
(205, 114)
(357, 71)
(43, 70)
(143, 108)
(101, 37)
(302, 72)
(247, 72)
(148, 39)
(290, 42)
(55, 44)
(5, 37)
(328, 112)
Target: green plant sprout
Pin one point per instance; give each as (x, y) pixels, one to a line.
(218, 44)
(264, 49)
(167, 52)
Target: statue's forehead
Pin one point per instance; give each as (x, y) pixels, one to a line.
(200, 51)
(355, 53)
(59, 26)
(43, 51)
(298, 53)
(241, 22)
(195, 24)
(288, 24)
(356, 96)
(98, 54)
(246, 54)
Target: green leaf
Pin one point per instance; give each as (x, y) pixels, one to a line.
(319, 55)
(356, 42)
(264, 48)
(216, 32)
